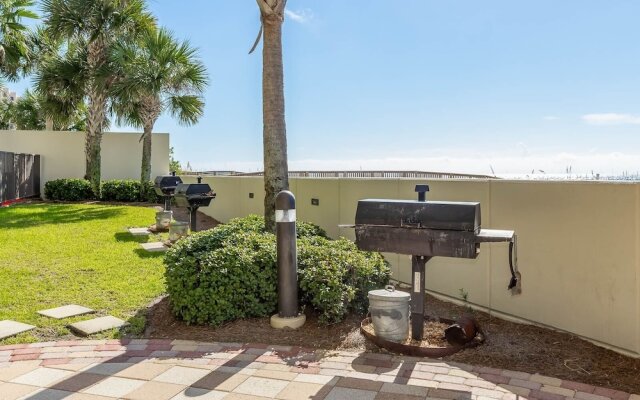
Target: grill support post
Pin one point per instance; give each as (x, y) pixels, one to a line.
(192, 218)
(418, 264)
(167, 203)
(287, 259)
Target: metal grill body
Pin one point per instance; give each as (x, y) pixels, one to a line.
(165, 186)
(420, 228)
(193, 196)
(423, 229)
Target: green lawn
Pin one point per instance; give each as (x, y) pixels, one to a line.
(57, 254)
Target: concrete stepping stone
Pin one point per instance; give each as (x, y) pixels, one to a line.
(67, 311)
(154, 247)
(139, 231)
(11, 328)
(91, 326)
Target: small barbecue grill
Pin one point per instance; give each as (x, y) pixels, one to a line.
(165, 186)
(194, 196)
(425, 229)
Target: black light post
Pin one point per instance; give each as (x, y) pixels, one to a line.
(288, 315)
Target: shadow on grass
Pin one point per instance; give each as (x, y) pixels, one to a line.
(142, 253)
(127, 237)
(52, 214)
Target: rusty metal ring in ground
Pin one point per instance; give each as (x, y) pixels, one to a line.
(418, 351)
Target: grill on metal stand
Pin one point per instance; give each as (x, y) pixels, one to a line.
(194, 196)
(165, 186)
(426, 229)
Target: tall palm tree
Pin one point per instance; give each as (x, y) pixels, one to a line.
(276, 170)
(14, 52)
(60, 79)
(156, 74)
(95, 24)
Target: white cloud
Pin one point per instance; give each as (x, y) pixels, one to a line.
(301, 16)
(611, 119)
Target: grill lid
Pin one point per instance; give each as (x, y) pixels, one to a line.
(166, 184)
(194, 194)
(444, 215)
(190, 189)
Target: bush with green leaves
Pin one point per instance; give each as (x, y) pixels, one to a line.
(230, 272)
(335, 277)
(126, 190)
(68, 190)
(120, 190)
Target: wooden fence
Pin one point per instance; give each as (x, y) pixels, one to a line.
(19, 176)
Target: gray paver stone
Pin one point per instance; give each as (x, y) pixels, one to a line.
(67, 311)
(139, 231)
(339, 393)
(11, 328)
(96, 325)
(154, 247)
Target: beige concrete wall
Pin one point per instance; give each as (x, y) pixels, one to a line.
(62, 153)
(578, 245)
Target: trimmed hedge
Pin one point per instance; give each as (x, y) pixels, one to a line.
(126, 190)
(230, 272)
(68, 190)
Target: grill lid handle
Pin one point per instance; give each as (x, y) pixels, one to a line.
(513, 262)
(494, 236)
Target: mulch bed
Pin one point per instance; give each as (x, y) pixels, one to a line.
(509, 345)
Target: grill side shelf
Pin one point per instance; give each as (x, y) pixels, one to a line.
(494, 236)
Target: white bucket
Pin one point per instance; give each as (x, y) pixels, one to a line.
(389, 311)
(177, 230)
(163, 219)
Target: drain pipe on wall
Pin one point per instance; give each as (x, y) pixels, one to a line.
(288, 315)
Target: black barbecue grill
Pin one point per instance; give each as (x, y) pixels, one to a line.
(425, 229)
(165, 186)
(193, 196)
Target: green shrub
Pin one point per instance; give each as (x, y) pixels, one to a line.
(214, 276)
(68, 190)
(335, 277)
(149, 195)
(230, 272)
(255, 223)
(120, 190)
(126, 190)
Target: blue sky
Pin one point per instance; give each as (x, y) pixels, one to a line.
(459, 85)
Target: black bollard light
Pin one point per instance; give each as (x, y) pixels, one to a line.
(288, 315)
(418, 265)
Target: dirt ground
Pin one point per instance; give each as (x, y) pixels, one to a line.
(509, 345)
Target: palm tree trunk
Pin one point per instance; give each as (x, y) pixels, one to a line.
(274, 128)
(145, 171)
(96, 113)
(95, 118)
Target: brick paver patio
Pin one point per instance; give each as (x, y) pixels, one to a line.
(178, 369)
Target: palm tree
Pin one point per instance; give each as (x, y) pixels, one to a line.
(61, 77)
(30, 112)
(95, 25)
(274, 134)
(156, 74)
(14, 52)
